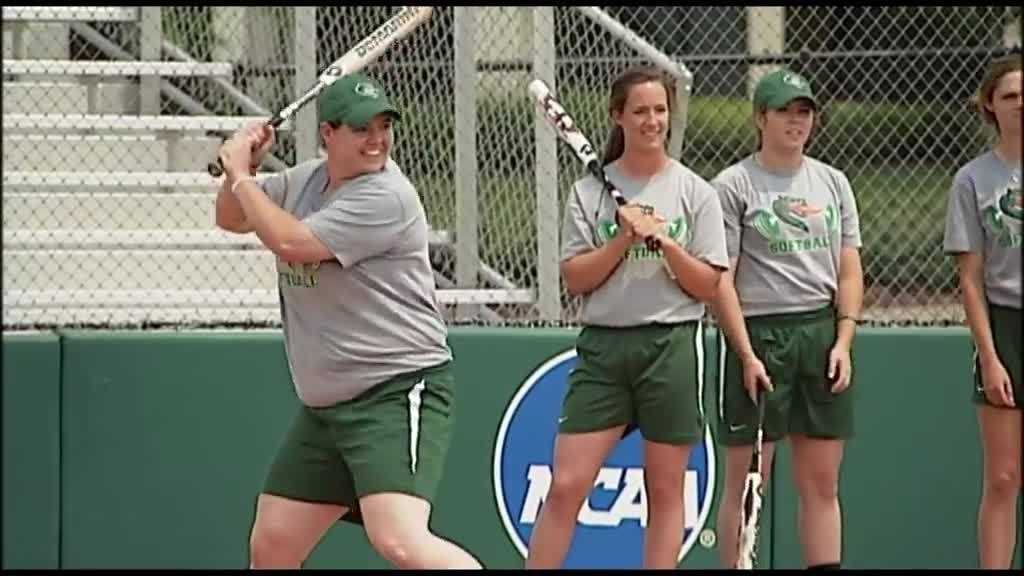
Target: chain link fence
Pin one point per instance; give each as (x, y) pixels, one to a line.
(108, 212)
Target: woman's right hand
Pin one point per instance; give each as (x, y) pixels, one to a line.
(636, 224)
(245, 150)
(754, 376)
(997, 385)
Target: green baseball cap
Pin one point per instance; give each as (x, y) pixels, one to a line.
(777, 89)
(354, 100)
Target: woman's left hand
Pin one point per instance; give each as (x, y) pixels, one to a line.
(839, 368)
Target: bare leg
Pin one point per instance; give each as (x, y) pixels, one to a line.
(397, 526)
(285, 531)
(997, 513)
(737, 461)
(816, 464)
(664, 476)
(578, 457)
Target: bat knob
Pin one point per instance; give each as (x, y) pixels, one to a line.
(215, 168)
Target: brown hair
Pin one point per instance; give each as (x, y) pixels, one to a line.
(996, 70)
(616, 143)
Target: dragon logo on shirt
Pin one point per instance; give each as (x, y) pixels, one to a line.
(1004, 216)
(676, 229)
(796, 235)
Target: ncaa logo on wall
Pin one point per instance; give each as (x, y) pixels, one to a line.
(610, 525)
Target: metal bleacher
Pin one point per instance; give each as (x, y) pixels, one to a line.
(108, 209)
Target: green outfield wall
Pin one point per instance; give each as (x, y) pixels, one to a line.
(146, 450)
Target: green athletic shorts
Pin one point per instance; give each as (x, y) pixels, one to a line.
(794, 349)
(1005, 323)
(391, 438)
(644, 376)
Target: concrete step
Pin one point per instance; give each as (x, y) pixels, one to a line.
(70, 13)
(140, 316)
(71, 97)
(15, 181)
(106, 308)
(45, 98)
(108, 210)
(123, 123)
(138, 270)
(139, 239)
(43, 40)
(64, 67)
(106, 153)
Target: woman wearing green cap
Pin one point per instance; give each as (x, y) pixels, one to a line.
(983, 232)
(365, 341)
(787, 308)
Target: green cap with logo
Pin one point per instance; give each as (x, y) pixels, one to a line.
(777, 89)
(354, 100)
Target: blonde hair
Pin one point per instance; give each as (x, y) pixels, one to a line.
(996, 70)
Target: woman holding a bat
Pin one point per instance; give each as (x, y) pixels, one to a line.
(983, 232)
(365, 340)
(640, 351)
(788, 309)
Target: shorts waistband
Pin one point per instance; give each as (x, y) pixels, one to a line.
(639, 327)
(793, 317)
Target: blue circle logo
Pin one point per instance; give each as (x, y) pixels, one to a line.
(611, 522)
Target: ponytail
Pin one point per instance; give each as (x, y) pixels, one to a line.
(615, 146)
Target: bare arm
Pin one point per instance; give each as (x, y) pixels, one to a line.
(242, 205)
(280, 232)
(694, 276)
(585, 272)
(229, 213)
(972, 287)
(726, 308)
(850, 297)
(848, 307)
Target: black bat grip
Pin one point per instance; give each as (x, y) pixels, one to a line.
(216, 169)
(651, 242)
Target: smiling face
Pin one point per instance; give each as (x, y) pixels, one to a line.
(786, 129)
(359, 150)
(644, 118)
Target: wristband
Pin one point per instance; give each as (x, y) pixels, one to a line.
(239, 181)
(848, 317)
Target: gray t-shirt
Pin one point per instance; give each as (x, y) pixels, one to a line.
(786, 229)
(984, 215)
(348, 327)
(640, 291)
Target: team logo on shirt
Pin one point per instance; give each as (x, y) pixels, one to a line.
(1004, 216)
(787, 229)
(611, 522)
(297, 274)
(677, 229)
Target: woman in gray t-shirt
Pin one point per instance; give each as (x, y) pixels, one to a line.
(983, 231)
(640, 352)
(788, 308)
